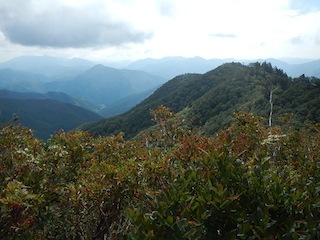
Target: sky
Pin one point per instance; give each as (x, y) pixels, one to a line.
(115, 30)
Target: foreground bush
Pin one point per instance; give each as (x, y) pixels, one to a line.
(247, 182)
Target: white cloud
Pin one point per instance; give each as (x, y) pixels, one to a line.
(58, 25)
(142, 28)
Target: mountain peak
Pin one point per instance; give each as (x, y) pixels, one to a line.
(101, 67)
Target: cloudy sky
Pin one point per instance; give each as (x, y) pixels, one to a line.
(136, 29)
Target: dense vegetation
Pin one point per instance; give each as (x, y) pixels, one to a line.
(249, 181)
(208, 100)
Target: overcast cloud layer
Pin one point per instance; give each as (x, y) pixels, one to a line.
(29, 23)
(133, 29)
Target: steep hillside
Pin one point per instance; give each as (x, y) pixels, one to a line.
(44, 116)
(208, 100)
(238, 88)
(124, 104)
(58, 96)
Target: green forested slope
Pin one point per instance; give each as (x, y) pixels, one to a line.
(45, 116)
(208, 100)
(247, 89)
(138, 118)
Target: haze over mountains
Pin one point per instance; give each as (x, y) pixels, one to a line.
(174, 66)
(69, 91)
(168, 67)
(53, 67)
(95, 84)
(103, 89)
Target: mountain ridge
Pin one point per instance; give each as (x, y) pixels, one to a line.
(210, 99)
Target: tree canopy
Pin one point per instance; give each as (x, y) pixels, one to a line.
(248, 181)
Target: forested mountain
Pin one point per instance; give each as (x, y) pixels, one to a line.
(45, 116)
(103, 85)
(58, 96)
(208, 100)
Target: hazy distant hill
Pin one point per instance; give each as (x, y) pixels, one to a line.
(96, 88)
(24, 85)
(44, 115)
(168, 67)
(172, 66)
(103, 85)
(21, 81)
(208, 100)
(311, 68)
(53, 67)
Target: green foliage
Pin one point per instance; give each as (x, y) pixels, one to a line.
(21, 177)
(246, 182)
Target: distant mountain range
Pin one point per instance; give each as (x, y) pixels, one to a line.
(51, 67)
(173, 66)
(168, 67)
(209, 100)
(103, 85)
(111, 91)
(67, 92)
(99, 87)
